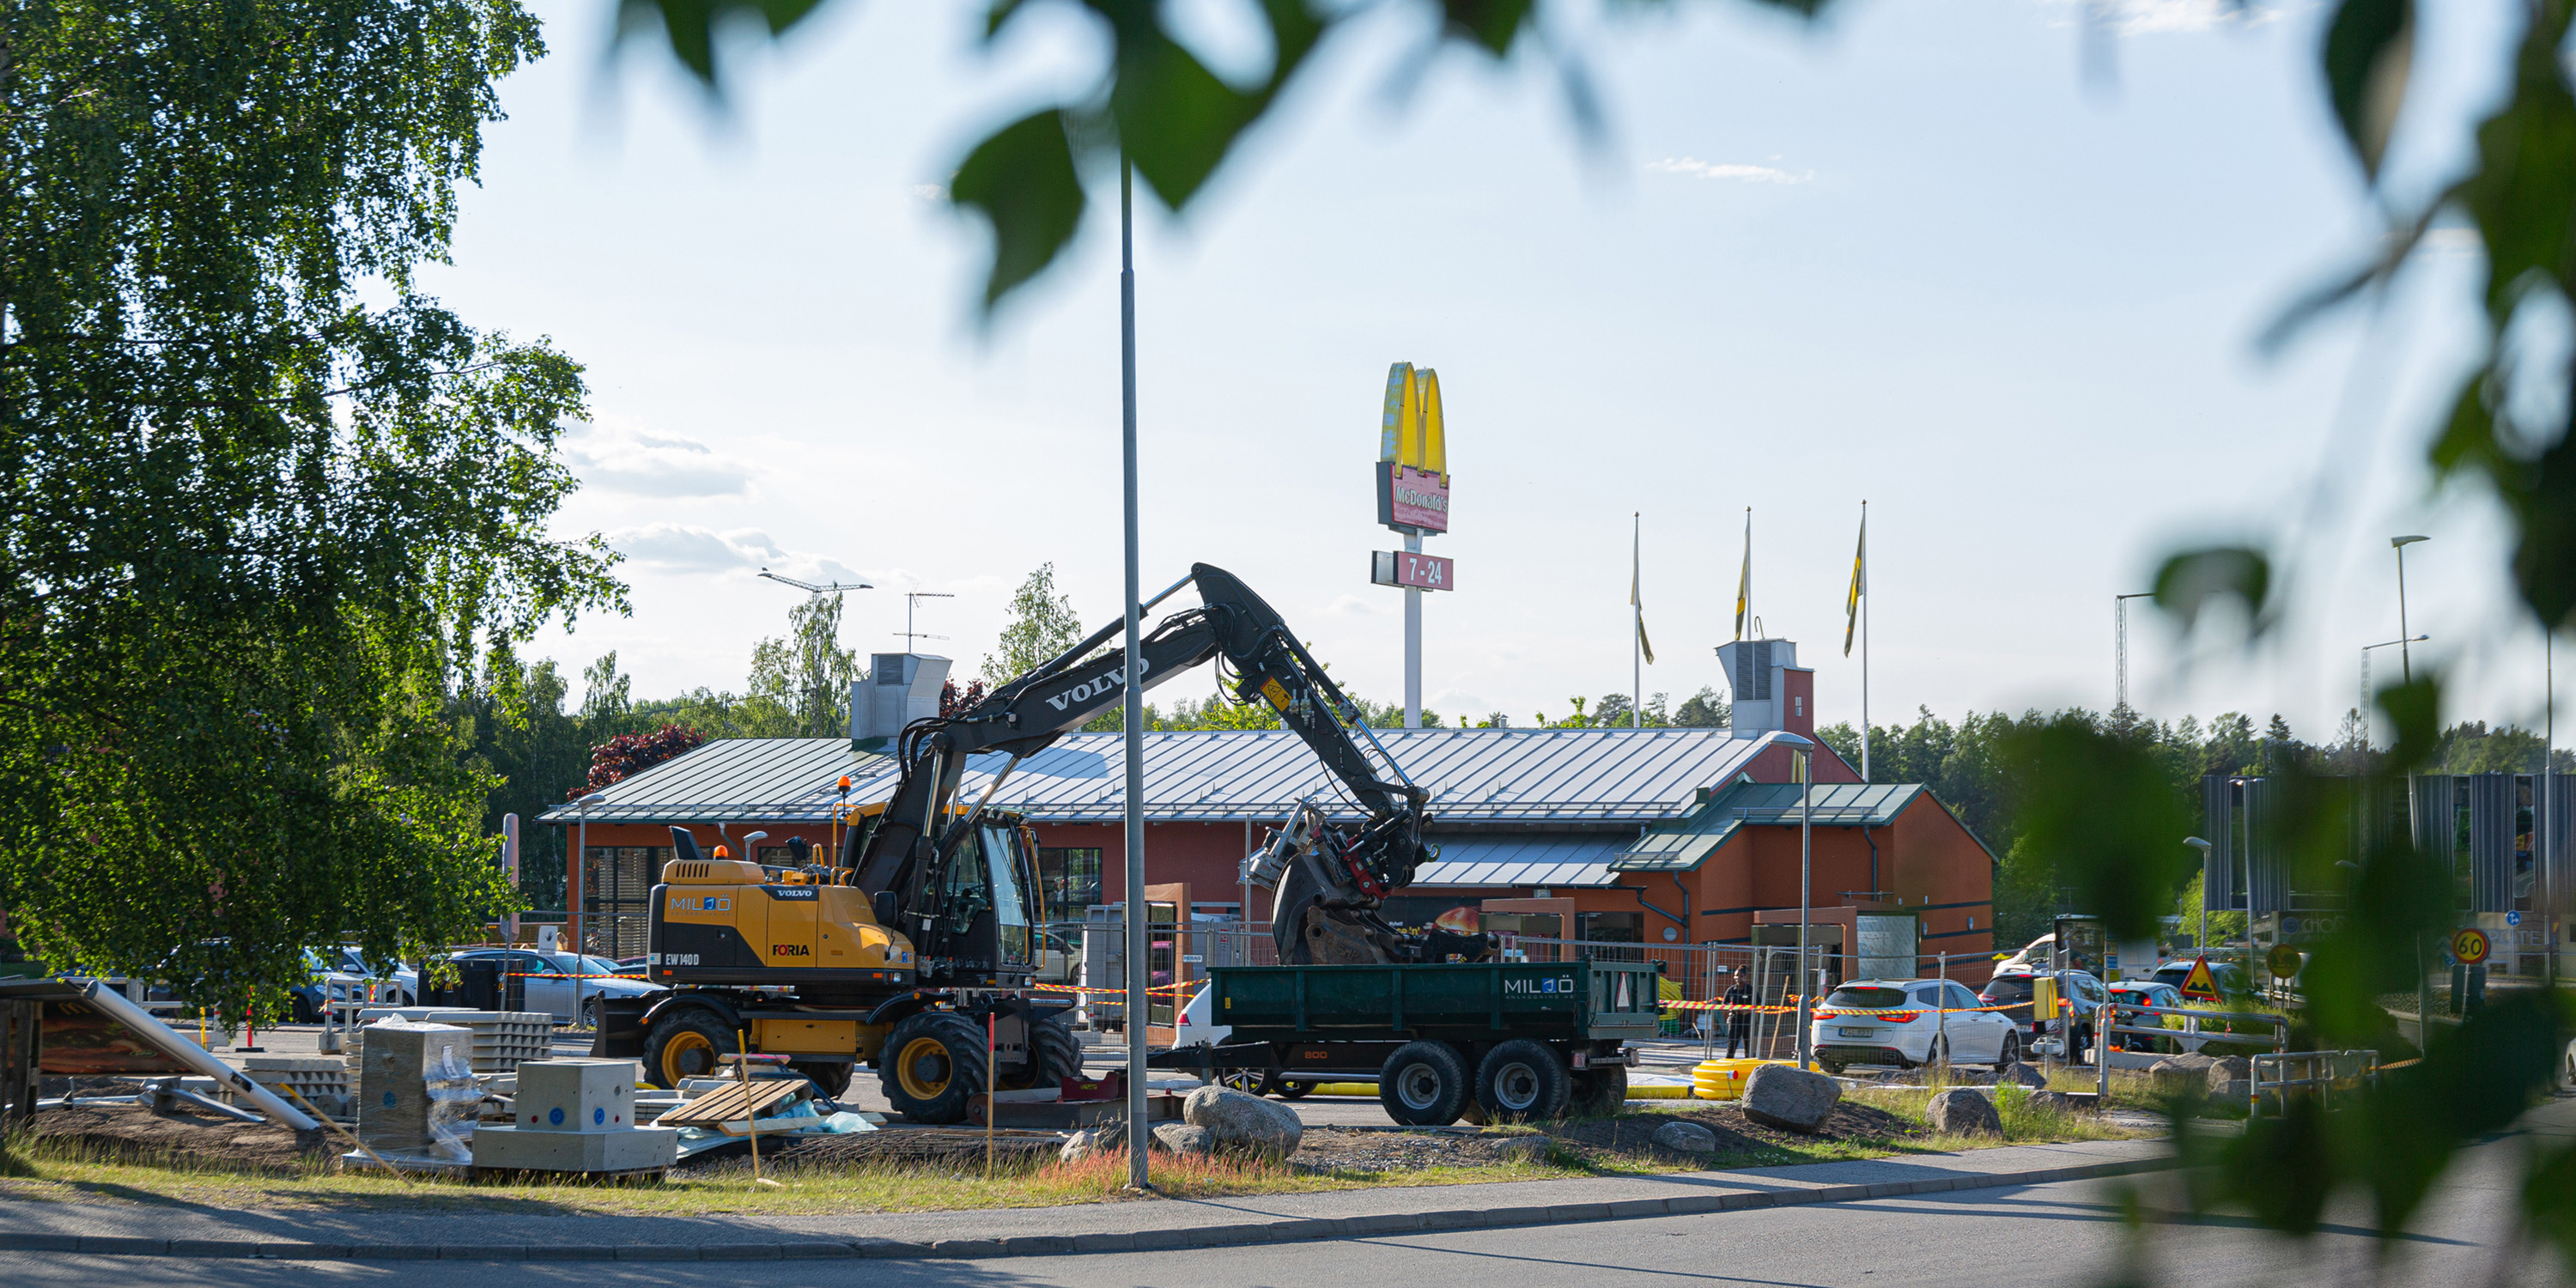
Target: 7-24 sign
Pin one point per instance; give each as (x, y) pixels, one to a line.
(1418, 571)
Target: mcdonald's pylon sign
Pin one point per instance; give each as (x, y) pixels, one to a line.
(1412, 469)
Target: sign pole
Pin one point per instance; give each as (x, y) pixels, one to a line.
(1413, 642)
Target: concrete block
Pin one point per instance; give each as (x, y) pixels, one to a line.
(966, 1249)
(1568, 1213)
(1887, 1189)
(1627, 1209)
(1161, 1240)
(1037, 1245)
(1383, 1223)
(1515, 1216)
(395, 1110)
(570, 1252)
(213, 1248)
(657, 1252)
(1454, 1219)
(1694, 1204)
(1104, 1243)
(307, 1251)
(117, 1246)
(482, 1252)
(578, 1095)
(568, 1151)
(815, 1251)
(1745, 1199)
(888, 1248)
(1846, 1193)
(1300, 1231)
(39, 1242)
(734, 1251)
(394, 1252)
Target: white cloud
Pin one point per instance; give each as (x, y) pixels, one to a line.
(1738, 172)
(693, 549)
(1354, 606)
(615, 455)
(2169, 17)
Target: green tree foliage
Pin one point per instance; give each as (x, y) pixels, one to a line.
(1042, 624)
(258, 526)
(800, 684)
(1704, 710)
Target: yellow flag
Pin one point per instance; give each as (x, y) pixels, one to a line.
(1859, 586)
(1744, 586)
(1636, 575)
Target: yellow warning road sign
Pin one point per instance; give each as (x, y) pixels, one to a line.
(2283, 961)
(2199, 985)
(2469, 947)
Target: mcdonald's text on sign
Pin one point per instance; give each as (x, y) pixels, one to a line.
(1406, 568)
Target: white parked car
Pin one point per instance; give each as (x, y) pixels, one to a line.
(1899, 1022)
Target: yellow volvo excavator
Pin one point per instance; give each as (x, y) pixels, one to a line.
(914, 946)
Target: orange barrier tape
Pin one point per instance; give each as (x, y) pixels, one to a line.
(531, 974)
(1928, 1010)
(1114, 992)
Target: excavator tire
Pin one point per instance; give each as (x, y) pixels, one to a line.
(1055, 1054)
(831, 1077)
(686, 1046)
(934, 1063)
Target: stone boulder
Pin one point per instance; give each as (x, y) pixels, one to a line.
(2021, 1074)
(2229, 1078)
(1686, 1137)
(1965, 1113)
(1238, 1123)
(1970, 1077)
(2059, 1100)
(1107, 1138)
(1788, 1097)
(1182, 1138)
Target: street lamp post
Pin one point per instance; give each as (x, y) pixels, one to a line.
(581, 861)
(2404, 662)
(1803, 755)
(2201, 940)
(2365, 685)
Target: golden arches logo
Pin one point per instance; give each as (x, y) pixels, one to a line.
(1412, 433)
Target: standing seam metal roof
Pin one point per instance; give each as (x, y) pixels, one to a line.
(1683, 844)
(1521, 776)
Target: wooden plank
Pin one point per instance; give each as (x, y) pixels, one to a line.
(727, 1104)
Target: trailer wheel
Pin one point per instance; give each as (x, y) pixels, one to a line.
(1523, 1081)
(831, 1077)
(1599, 1093)
(1054, 1055)
(934, 1062)
(1424, 1084)
(1287, 1090)
(686, 1046)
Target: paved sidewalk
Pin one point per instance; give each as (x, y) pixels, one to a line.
(536, 1230)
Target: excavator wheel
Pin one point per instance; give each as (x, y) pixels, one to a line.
(934, 1062)
(1599, 1093)
(686, 1046)
(831, 1077)
(1055, 1054)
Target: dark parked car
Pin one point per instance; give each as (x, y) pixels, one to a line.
(2084, 991)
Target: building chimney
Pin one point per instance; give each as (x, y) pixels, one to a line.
(899, 689)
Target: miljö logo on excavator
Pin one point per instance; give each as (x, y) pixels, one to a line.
(1087, 691)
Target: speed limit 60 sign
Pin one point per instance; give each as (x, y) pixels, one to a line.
(2470, 947)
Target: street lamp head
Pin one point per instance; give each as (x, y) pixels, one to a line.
(1790, 740)
(588, 803)
(2196, 843)
(754, 837)
(2403, 542)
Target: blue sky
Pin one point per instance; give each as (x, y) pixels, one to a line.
(1915, 254)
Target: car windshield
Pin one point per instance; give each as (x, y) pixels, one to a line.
(2010, 988)
(1867, 997)
(603, 966)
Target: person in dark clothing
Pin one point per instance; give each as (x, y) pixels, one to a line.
(1739, 1024)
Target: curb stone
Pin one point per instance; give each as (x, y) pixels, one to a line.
(1285, 1230)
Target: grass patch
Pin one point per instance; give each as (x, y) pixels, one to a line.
(41, 1170)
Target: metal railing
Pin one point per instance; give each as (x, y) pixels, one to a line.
(2321, 1073)
(2106, 1019)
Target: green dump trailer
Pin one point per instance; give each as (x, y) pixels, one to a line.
(1486, 1041)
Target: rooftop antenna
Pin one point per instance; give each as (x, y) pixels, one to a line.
(811, 588)
(910, 599)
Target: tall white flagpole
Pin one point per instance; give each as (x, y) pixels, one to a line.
(1864, 643)
(1641, 650)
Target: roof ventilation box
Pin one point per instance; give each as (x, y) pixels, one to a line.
(899, 689)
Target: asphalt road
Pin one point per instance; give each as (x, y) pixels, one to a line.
(2069, 1234)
